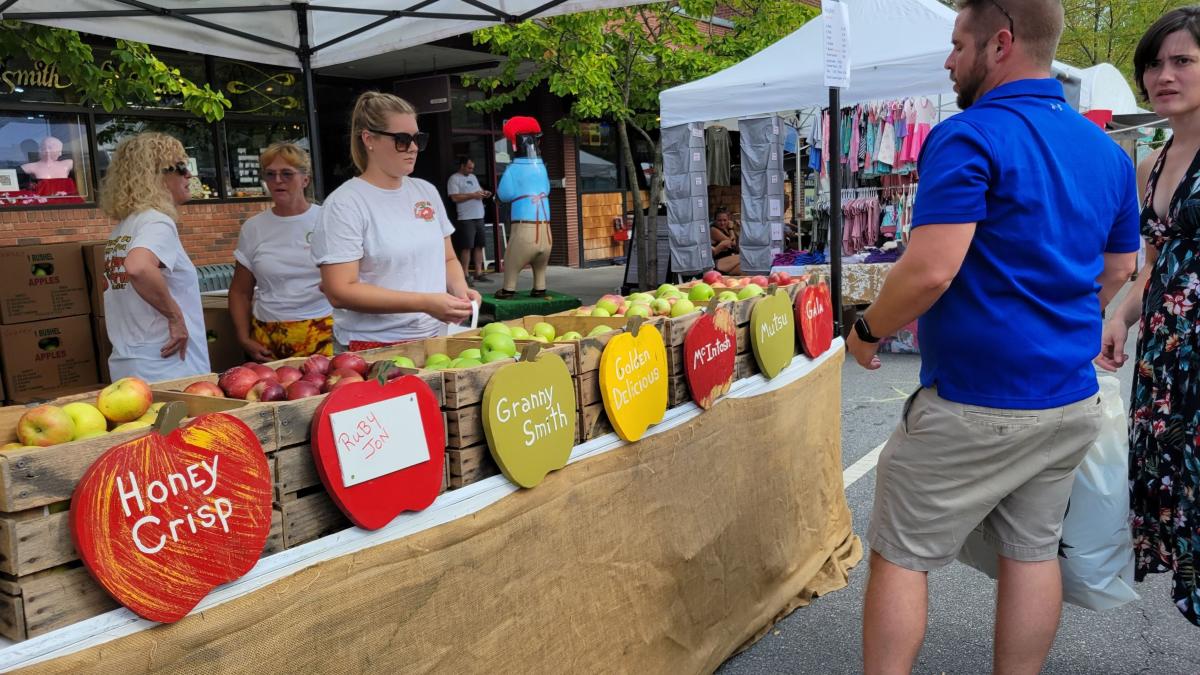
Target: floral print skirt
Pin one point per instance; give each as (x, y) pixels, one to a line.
(287, 339)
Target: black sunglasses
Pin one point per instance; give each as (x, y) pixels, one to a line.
(1008, 16)
(404, 139)
(180, 168)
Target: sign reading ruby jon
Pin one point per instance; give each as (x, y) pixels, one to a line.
(162, 520)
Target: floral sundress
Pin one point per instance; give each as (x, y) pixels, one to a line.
(1164, 433)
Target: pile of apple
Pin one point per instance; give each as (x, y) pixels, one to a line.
(123, 405)
(541, 332)
(318, 374)
(670, 300)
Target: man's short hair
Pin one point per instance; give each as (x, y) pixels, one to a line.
(462, 161)
(1037, 25)
(1184, 18)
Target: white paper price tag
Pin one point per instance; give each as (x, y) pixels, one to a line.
(377, 439)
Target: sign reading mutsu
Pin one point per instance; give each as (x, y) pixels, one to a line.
(633, 380)
(709, 352)
(161, 520)
(529, 416)
(773, 333)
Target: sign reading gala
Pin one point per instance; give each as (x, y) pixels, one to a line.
(814, 318)
(709, 353)
(163, 519)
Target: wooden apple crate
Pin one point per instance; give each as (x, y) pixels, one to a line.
(593, 423)
(746, 366)
(43, 585)
(469, 465)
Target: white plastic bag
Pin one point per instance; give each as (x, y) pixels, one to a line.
(1096, 554)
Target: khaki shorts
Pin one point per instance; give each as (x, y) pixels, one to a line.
(950, 468)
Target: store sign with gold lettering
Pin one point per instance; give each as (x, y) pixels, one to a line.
(39, 75)
(709, 353)
(163, 519)
(773, 332)
(529, 416)
(814, 318)
(633, 380)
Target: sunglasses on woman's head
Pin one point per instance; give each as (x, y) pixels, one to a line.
(403, 139)
(180, 168)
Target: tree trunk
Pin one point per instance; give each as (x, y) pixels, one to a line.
(645, 229)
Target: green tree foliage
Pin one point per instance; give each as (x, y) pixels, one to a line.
(1108, 31)
(612, 64)
(131, 73)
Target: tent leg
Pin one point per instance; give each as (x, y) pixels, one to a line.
(310, 100)
(835, 207)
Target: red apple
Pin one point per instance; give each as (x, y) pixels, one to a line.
(302, 389)
(312, 378)
(784, 278)
(237, 381)
(341, 383)
(711, 277)
(266, 389)
(204, 388)
(263, 371)
(317, 363)
(340, 375)
(349, 360)
(760, 281)
(287, 374)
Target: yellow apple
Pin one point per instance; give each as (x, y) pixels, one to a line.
(92, 434)
(45, 425)
(125, 400)
(129, 426)
(87, 418)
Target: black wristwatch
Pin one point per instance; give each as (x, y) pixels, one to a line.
(864, 331)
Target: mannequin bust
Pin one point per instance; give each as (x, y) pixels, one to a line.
(49, 165)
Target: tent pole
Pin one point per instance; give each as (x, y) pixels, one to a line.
(310, 100)
(835, 206)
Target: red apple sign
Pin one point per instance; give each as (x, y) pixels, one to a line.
(162, 520)
(709, 350)
(814, 318)
(380, 449)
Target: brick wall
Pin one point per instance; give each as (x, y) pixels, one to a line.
(209, 231)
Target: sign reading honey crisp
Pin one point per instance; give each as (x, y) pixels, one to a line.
(633, 381)
(163, 519)
(529, 417)
(773, 333)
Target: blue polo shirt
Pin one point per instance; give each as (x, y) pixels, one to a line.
(1050, 193)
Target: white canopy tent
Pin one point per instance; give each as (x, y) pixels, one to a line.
(307, 34)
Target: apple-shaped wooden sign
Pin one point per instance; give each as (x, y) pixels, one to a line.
(633, 380)
(163, 519)
(709, 353)
(814, 318)
(380, 449)
(529, 416)
(773, 333)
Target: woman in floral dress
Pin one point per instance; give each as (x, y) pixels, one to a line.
(1164, 436)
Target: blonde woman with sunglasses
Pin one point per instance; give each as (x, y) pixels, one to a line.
(152, 303)
(275, 298)
(383, 238)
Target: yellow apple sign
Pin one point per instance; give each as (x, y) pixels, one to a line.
(633, 381)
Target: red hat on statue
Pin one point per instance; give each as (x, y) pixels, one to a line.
(520, 125)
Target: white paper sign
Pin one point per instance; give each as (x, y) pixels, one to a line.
(696, 157)
(837, 43)
(380, 438)
(774, 208)
(777, 231)
(698, 180)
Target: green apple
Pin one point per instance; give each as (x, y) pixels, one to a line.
(519, 333)
(498, 342)
(436, 359)
(569, 336)
(472, 353)
(640, 297)
(662, 290)
(638, 310)
(544, 329)
(727, 296)
(682, 307)
(403, 362)
(601, 312)
(750, 291)
(496, 327)
(607, 304)
(130, 426)
(599, 330)
(701, 292)
(660, 306)
(87, 418)
(489, 357)
(539, 338)
(465, 363)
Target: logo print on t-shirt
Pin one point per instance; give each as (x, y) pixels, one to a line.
(424, 211)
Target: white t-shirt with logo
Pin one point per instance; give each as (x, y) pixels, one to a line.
(470, 209)
(278, 252)
(398, 238)
(137, 330)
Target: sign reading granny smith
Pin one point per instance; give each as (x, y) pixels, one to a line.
(773, 333)
(529, 417)
(633, 381)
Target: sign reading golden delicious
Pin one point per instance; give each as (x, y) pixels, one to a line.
(633, 380)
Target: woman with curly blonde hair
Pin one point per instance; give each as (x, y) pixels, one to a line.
(152, 303)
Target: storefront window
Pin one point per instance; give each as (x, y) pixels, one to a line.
(598, 153)
(43, 160)
(244, 142)
(462, 117)
(260, 90)
(25, 81)
(195, 135)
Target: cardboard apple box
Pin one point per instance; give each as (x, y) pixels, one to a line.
(42, 357)
(42, 281)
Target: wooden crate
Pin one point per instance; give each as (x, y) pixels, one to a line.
(308, 515)
(48, 600)
(677, 391)
(746, 366)
(464, 427)
(593, 423)
(470, 465)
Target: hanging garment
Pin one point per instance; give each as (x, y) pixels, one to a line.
(716, 142)
(887, 144)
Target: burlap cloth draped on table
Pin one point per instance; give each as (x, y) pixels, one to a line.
(664, 556)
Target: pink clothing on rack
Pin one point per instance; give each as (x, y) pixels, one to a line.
(925, 117)
(853, 154)
(910, 122)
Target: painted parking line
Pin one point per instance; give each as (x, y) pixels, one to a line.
(862, 467)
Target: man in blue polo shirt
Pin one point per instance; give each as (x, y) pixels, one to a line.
(1026, 223)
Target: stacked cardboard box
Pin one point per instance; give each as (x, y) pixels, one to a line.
(46, 345)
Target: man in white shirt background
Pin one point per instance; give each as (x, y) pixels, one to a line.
(468, 238)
